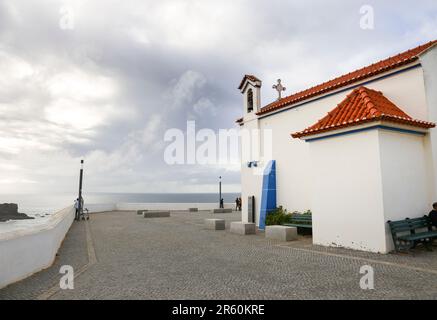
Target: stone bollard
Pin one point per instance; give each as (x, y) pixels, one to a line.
(243, 228)
(222, 211)
(215, 224)
(156, 214)
(282, 233)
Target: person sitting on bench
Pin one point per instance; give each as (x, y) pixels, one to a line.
(433, 215)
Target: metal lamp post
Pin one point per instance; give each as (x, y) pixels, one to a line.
(220, 191)
(80, 189)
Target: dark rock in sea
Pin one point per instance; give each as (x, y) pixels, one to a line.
(9, 211)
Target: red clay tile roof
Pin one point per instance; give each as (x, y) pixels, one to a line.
(360, 106)
(394, 62)
(250, 77)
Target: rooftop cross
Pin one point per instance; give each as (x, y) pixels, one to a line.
(278, 87)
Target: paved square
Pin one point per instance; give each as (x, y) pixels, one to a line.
(121, 255)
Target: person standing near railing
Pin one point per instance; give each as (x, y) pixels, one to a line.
(76, 208)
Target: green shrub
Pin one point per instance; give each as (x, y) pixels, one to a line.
(277, 217)
(280, 216)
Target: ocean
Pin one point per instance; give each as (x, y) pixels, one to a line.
(45, 204)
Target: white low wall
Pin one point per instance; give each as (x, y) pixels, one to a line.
(27, 250)
(103, 207)
(94, 208)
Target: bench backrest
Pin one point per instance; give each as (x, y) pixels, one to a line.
(410, 225)
(302, 218)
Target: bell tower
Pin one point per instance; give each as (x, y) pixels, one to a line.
(250, 87)
(250, 146)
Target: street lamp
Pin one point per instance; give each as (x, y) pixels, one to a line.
(220, 192)
(80, 189)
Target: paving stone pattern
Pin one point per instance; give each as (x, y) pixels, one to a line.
(178, 258)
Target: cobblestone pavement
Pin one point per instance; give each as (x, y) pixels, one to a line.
(177, 258)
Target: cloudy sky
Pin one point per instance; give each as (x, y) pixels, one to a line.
(104, 80)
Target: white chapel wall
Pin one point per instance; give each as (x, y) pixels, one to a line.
(346, 192)
(404, 178)
(250, 178)
(429, 63)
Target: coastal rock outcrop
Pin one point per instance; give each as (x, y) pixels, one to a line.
(9, 211)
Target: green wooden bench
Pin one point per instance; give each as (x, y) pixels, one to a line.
(408, 233)
(300, 221)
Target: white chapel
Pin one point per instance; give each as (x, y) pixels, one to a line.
(358, 150)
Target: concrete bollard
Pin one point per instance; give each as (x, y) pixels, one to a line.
(222, 211)
(215, 224)
(156, 214)
(282, 233)
(243, 228)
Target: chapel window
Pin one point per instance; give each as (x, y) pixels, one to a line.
(250, 101)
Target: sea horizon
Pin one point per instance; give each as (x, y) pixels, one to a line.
(39, 203)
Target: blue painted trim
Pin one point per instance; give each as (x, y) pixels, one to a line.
(340, 91)
(268, 193)
(368, 129)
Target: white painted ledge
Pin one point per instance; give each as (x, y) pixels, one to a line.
(29, 246)
(94, 208)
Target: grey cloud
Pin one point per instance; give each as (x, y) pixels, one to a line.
(150, 66)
